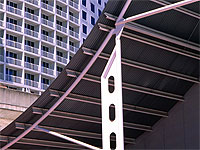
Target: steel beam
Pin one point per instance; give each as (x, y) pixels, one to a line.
(156, 11)
(180, 9)
(152, 42)
(70, 132)
(42, 143)
(157, 34)
(89, 119)
(146, 67)
(97, 101)
(132, 87)
(67, 138)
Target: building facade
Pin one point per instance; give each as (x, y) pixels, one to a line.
(39, 37)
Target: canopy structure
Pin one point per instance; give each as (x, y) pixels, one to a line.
(160, 63)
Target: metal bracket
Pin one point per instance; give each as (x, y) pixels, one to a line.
(111, 98)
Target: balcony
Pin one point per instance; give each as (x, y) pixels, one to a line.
(47, 38)
(14, 10)
(47, 70)
(13, 27)
(31, 16)
(74, 34)
(73, 19)
(61, 28)
(46, 6)
(31, 32)
(12, 78)
(1, 76)
(31, 83)
(1, 6)
(47, 22)
(62, 44)
(13, 44)
(1, 23)
(44, 86)
(31, 49)
(1, 58)
(1, 40)
(47, 54)
(61, 13)
(61, 59)
(14, 61)
(31, 66)
(73, 49)
(73, 4)
(35, 2)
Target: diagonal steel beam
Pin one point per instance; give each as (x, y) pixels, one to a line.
(85, 118)
(152, 42)
(70, 132)
(97, 101)
(127, 86)
(42, 143)
(180, 9)
(156, 11)
(146, 67)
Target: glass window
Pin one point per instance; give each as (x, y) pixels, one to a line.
(99, 12)
(84, 15)
(92, 7)
(84, 3)
(99, 2)
(84, 29)
(92, 20)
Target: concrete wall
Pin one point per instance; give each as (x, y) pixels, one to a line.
(12, 104)
(180, 130)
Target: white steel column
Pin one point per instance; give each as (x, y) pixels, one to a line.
(112, 125)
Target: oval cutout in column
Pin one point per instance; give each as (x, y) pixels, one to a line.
(111, 81)
(112, 112)
(113, 141)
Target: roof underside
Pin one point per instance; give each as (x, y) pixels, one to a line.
(149, 88)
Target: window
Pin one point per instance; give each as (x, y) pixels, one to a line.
(59, 38)
(71, 43)
(71, 28)
(10, 37)
(11, 72)
(29, 59)
(12, 4)
(71, 13)
(92, 20)
(44, 48)
(59, 69)
(45, 33)
(99, 12)
(45, 1)
(84, 3)
(99, 2)
(30, 27)
(29, 10)
(11, 54)
(44, 64)
(59, 22)
(45, 81)
(29, 43)
(58, 7)
(10, 20)
(92, 7)
(84, 29)
(45, 17)
(29, 76)
(84, 15)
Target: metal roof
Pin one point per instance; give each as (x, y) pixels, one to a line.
(160, 62)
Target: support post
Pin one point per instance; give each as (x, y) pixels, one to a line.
(111, 98)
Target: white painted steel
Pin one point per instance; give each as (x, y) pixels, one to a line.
(156, 11)
(67, 138)
(113, 69)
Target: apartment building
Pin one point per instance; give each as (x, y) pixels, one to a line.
(39, 37)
